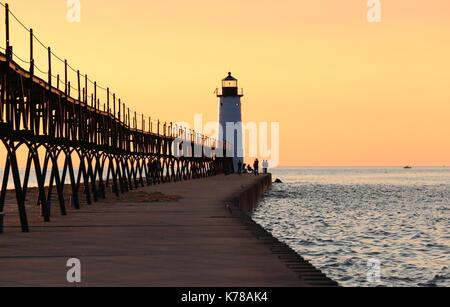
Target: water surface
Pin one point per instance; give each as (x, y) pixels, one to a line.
(340, 219)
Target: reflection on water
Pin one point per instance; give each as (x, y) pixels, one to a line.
(341, 218)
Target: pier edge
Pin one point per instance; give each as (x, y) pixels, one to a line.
(244, 204)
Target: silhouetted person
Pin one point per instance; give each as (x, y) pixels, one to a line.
(256, 167)
(265, 166)
(159, 171)
(240, 167)
(152, 172)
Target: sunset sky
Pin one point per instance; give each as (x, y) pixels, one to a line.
(345, 91)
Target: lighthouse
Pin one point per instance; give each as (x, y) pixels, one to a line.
(230, 118)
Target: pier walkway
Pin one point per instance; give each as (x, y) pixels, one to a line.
(192, 237)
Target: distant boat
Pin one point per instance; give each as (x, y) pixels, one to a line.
(408, 167)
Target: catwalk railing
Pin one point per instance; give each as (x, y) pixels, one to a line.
(95, 147)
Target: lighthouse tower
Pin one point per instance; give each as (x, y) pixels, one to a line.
(230, 117)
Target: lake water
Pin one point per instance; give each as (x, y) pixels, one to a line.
(365, 226)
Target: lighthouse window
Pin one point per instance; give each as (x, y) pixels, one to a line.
(229, 83)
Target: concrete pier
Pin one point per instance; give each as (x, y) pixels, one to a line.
(193, 233)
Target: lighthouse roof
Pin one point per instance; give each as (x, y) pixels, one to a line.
(230, 78)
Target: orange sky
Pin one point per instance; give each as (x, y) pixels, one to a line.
(346, 92)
